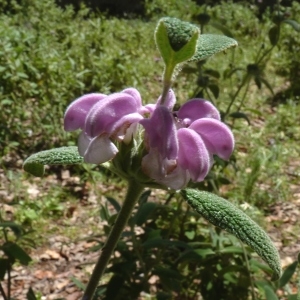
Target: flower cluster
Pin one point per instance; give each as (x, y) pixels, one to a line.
(180, 144)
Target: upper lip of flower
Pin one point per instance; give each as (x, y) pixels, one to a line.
(103, 118)
(105, 115)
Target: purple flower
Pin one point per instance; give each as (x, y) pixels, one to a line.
(181, 144)
(103, 119)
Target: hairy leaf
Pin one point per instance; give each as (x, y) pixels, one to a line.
(210, 44)
(35, 163)
(225, 215)
(176, 40)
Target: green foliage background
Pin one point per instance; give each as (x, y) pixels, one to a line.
(51, 55)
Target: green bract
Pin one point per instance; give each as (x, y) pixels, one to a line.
(225, 215)
(34, 164)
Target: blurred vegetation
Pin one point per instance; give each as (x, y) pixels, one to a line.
(50, 55)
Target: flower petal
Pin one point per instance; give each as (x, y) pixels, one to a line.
(120, 127)
(83, 143)
(217, 137)
(152, 165)
(164, 171)
(149, 108)
(129, 134)
(161, 132)
(100, 150)
(177, 180)
(105, 113)
(135, 95)
(193, 155)
(170, 100)
(195, 109)
(77, 111)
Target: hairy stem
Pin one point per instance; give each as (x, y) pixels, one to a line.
(133, 193)
(167, 81)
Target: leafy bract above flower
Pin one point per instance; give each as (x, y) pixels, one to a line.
(103, 119)
(181, 144)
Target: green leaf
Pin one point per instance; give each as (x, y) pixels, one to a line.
(176, 40)
(161, 271)
(30, 295)
(144, 212)
(14, 251)
(293, 297)
(270, 294)
(257, 81)
(104, 212)
(114, 203)
(17, 229)
(78, 283)
(267, 84)
(195, 255)
(274, 34)
(210, 44)
(114, 286)
(256, 265)
(214, 88)
(144, 197)
(179, 33)
(232, 249)
(239, 115)
(293, 23)
(168, 277)
(287, 274)
(34, 164)
(225, 215)
(162, 42)
(190, 234)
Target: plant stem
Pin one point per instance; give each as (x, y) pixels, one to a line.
(249, 271)
(2, 292)
(236, 94)
(8, 280)
(7, 270)
(167, 81)
(244, 96)
(134, 191)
